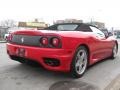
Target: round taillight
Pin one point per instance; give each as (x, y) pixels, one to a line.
(55, 42)
(44, 41)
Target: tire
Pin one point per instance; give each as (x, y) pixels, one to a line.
(79, 63)
(114, 52)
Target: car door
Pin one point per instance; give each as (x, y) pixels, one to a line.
(102, 49)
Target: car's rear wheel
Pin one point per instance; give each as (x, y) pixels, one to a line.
(114, 51)
(80, 62)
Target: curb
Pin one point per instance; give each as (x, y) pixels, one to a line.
(2, 41)
(115, 84)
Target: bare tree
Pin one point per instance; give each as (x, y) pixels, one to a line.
(8, 23)
(5, 25)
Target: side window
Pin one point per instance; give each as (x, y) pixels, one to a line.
(53, 27)
(97, 32)
(84, 28)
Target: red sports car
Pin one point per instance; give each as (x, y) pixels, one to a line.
(66, 47)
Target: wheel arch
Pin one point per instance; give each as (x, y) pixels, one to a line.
(88, 50)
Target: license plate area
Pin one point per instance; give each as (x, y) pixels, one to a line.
(20, 52)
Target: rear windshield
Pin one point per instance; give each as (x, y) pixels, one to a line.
(63, 27)
(67, 27)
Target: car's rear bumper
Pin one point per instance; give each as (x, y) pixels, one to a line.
(64, 56)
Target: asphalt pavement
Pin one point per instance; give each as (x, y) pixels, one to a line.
(16, 76)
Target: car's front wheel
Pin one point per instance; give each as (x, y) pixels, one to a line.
(80, 62)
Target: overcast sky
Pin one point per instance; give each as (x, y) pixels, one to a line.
(107, 11)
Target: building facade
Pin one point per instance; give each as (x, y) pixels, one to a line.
(68, 21)
(38, 25)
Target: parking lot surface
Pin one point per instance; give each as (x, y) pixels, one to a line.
(16, 76)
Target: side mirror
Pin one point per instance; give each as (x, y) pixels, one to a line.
(106, 34)
(110, 34)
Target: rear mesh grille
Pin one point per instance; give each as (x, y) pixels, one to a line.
(26, 40)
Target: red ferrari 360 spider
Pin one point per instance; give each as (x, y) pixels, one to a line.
(66, 47)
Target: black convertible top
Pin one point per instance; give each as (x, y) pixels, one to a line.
(81, 27)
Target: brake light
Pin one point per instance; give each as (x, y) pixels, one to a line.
(9, 38)
(50, 42)
(55, 42)
(44, 41)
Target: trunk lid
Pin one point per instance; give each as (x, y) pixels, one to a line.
(33, 37)
(50, 32)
